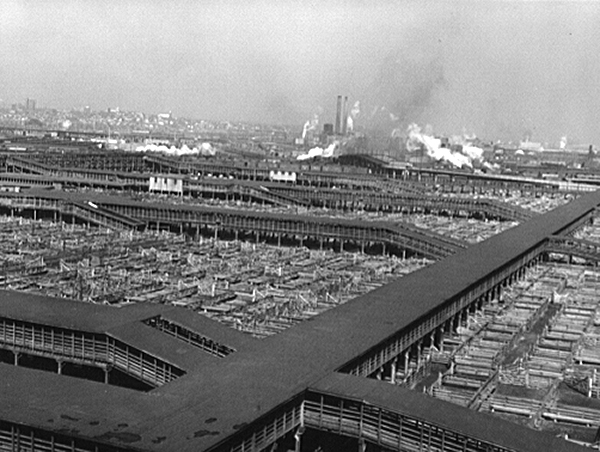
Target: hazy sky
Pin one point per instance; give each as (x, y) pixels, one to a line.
(499, 69)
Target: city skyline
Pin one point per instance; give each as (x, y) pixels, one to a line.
(495, 69)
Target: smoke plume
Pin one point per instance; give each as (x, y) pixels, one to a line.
(205, 149)
(433, 146)
(312, 124)
(328, 152)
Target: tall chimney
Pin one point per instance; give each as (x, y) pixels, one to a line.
(338, 116)
(344, 124)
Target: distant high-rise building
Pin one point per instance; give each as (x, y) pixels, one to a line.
(344, 118)
(341, 116)
(30, 104)
(338, 115)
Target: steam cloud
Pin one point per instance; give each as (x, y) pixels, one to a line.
(433, 146)
(354, 113)
(328, 152)
(312, 124)
(563, 142)
(205, 149)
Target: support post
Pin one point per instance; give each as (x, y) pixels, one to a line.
(362, 445)
(297, 437)
(431, 342)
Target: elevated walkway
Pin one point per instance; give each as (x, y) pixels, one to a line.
(376, 200)
(21, 164)
(571, 246)
(78, 347)
(400, 419)
(102, 216)
(120, 213)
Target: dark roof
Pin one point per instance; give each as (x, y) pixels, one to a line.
(481, 426)
(125, 324)
(251, 382)
(76, 315)
(81, 407)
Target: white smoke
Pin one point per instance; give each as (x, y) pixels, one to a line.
(205, 149)
(433, 146)
(473, 152)
(350, 124)
(563, 142)
(328, 152)
(354, 113)
(355, 110)
(312, 124)
(305, 129)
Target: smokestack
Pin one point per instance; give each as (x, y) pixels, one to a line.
(338, 116)
(344, 126)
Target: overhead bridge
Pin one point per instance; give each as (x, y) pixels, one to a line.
(373, 412)
(114, 161)
(79, 347)
(30, 172)
(85, 211)
(571, 246)
(407, 237)
(123, 213)
(242, 190)
(396, 418)
(90, 212)
(386, 201)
